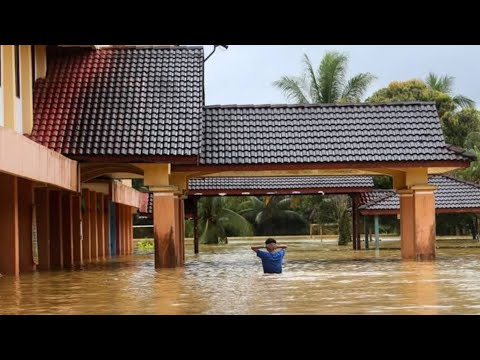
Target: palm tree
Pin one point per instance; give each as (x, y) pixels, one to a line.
(273, 216)
(327, 84)
(215, 221)
(444, 84)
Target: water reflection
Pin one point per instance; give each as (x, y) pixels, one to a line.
(317, 279)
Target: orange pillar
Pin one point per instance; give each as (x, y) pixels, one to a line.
(56, 244)
(93, 225)
(42, 211)
(118, 219)
(182, 228)
(425, 231)
(106, 224)
(100, 225)
(86, 242)
(417, 222)
(67, 229)
(76, 227)
(25, 218)
(164, 226)
(407, 224)
(9, 239)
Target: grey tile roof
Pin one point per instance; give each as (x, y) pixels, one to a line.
(451, 194)
(273, 134)
(276, 183)
(121, 102)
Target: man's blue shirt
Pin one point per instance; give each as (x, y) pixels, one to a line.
(271, 261)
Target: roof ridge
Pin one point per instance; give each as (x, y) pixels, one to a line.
(318, 105)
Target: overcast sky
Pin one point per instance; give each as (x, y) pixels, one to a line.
(244, 74)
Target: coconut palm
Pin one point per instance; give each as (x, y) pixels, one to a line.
(273, 216)
(327, 84)
(444, 84)
(215, 221)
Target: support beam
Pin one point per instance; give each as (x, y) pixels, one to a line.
(407, 224)
(164, 220)
(8, 85)
(86, 242)
(67, 230)
(106, 224)
(76, 229)
(113, 228)
(93, 225)
(377, 236)
(42, 204)
(25, 219)
(196, 239)
(56, 243)
(365, 226)
(9, 238)
(417, 222)
(424, 222)
(100, 226)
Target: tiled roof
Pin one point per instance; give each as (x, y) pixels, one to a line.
(451, 194)
(274, 183)
(375, 195)
(121, 102)
(273, 134)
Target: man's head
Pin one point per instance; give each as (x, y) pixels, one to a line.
(271, 244)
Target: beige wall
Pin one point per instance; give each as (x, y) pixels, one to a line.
(125, 195)
(23, 157)
(97, 187)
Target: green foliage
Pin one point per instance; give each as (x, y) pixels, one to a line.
(444, 84)
(456, 224)
(272, 215)
(472, 173)
(458, 126)
(345, 228)
(327, 83)
(417, 90)
(146, 244)
(383, 182)
(189, 228)
(472, 141)
(216, 221)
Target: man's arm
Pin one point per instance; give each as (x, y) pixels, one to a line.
(282, 247)
(255, 248)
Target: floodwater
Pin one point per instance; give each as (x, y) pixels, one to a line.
(317, 279)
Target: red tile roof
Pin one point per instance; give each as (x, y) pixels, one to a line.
(121, 102)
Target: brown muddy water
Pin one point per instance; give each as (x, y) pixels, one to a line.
(318, 278)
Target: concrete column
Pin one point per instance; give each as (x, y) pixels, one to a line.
(25, 219)
(407, 225)
(42, 201)
(56, 243)
(100, 226)
(76, 227)
(106, 224)
(86, 242)
(417, 222)
(9, 237)
(164, 219)
(67, 229)
(118, 208)
(424, 210)
(93, 225)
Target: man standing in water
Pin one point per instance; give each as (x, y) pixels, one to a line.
(271, 259)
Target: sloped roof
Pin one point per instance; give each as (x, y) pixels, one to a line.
(331, 133)
(121, 102)
(452, 195)
(263, 184)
